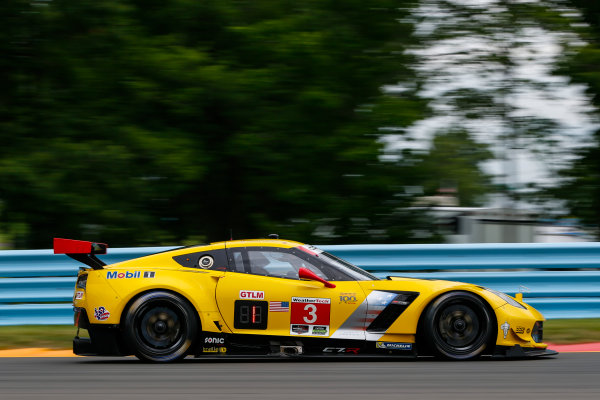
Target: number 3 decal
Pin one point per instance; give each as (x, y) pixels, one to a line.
(310, 316)
(312, 312)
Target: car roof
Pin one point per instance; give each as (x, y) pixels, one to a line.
(260, 242)
(233, 244)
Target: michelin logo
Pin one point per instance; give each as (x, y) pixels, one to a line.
(394, 346)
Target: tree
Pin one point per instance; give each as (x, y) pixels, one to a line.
(487, 66)
(580, 181)
(451, 163)
(148, 122)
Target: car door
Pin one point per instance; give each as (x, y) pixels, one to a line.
(262, 295)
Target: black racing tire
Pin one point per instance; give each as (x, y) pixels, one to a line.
(160, 326)
(458, 326)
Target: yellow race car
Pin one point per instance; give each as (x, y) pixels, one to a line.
(279, 297)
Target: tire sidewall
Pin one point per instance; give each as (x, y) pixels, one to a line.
(135, 313)
(433, 338)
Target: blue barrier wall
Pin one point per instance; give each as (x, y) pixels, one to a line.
(562, 280)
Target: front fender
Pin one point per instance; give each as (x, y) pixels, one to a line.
(407, 323)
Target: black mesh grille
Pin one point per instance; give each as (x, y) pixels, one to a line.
(537, 334)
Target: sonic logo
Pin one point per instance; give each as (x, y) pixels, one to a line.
(214, 340)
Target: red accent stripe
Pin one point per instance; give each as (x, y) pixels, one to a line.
(304, 249)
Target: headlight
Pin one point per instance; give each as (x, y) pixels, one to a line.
(507, 299)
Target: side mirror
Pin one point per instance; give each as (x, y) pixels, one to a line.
(305, 273)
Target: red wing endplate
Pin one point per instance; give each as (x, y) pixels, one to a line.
(81, 251)
(70, 246)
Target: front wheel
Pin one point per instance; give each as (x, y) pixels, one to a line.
(160, 326)
(458, 326)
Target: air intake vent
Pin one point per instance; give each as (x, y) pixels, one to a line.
(393, 310)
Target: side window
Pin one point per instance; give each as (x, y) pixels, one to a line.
(213, 259)
(277, 263)
(237, 263)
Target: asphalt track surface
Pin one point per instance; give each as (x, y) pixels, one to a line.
(566, 376)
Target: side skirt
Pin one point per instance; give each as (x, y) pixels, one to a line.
(212, 343)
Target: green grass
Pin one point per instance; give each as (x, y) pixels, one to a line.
(566, 331)
(559, 331)
(45, 336)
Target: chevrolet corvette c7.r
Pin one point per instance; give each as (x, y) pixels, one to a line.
(279, 297)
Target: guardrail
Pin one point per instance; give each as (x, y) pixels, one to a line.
(562, 279)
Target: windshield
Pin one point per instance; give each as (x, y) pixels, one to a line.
(342, 265)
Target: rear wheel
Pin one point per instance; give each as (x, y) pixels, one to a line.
(160, 326)
(458, 326)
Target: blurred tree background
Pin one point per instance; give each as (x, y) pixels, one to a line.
(475, 62)
(580, 183)
(174, 122)
(160, 122)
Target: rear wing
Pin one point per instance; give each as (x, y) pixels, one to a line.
(81, 251)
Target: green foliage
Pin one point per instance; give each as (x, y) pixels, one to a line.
(482, 65)
(580, 181)
(450, 165)
(151, 122)
(591, 14)
(580, 185)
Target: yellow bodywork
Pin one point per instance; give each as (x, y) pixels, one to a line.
(212, 293)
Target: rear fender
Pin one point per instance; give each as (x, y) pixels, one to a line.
(197, 286)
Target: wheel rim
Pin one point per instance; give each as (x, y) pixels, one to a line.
(459, 326)
(160, 327)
